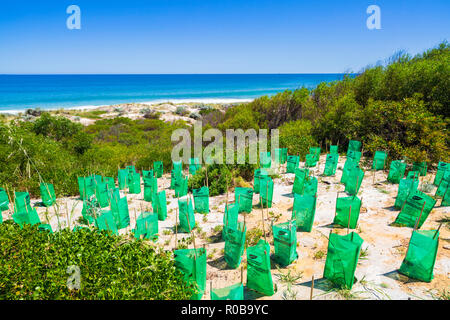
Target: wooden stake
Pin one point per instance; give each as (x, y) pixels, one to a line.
(242, 274)
(445, 193)
(206, 167)
(176, 229)
(312, 288)
(349, 216)
(420, 215)
(262, 219)
(437, 231)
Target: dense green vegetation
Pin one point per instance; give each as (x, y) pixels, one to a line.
(402, 107)
(33, 265)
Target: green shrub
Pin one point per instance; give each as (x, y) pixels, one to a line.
(33, 265)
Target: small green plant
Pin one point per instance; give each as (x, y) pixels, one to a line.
(289, 278)
(319, 255)
(252, 237)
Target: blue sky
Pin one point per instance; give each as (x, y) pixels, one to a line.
(212, 36)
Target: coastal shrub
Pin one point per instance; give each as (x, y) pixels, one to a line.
(34, 265)
(219, 177)
(296, 136)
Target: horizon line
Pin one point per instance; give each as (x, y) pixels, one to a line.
(161, 74)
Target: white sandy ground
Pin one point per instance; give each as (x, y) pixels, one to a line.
(377, 274)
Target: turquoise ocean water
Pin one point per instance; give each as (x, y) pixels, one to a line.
(20, 92)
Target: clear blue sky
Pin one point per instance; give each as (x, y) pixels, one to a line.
(213, 36)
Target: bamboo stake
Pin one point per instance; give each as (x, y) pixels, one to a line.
(262, 219)
(206, 167)
(420, 215)
(445, 193)
(437, 231)
(176, 228)
(349, 216)
(312, 288)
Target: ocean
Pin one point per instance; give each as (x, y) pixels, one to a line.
(21, 92)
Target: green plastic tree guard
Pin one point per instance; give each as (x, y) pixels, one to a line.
(354, 145)
(47, 194)
(150, 188)
(186, 215)
(418, 204)
(146, 226)
(342, 258)
(292, 163)
(259, 277)
(354, 181)
(347, 207)
(348, 166)
(147, 174)
(192, 264)
(181, 186)
(379, 160)
(265, 160)
(310, 187)
(45, 227)
(110, 182)
(299, 180)
(442, 168)
(23, 212)
(134, 186)
(303, 211)
(120, 211)
(285, 242)
(421, 256)
(354, 155)
(266, 191)
(123, 179)
(194, 165)
(259, 173)
(88, 212)
(230, 217)
(234, 244)
(4, 200)
(334, 149)
(310, 160)
(396, 171)
(284, 155)
(446, 199)
(201, 200)
(413, 175)
(158, 167)
(331, 164)
(177, 167)
(105, 221)
(443, 185)
(233, 292)
(244, 198)
(160, 205)
(102, 194)
(405, 188)
(316, 152)
(421, 167)
(22, 201)
(278, 155)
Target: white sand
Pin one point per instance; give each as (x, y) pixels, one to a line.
(377, 274)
